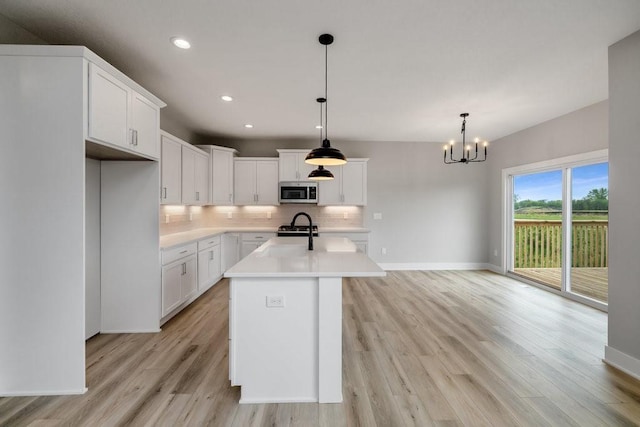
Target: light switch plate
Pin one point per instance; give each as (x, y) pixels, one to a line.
(377, 215)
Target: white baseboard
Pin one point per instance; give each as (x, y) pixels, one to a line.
(495, 268)
(43, 393)
(622, 361)
(434, 266)
(276, 400)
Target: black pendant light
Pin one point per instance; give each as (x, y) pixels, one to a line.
(325, 155)
(320, 174)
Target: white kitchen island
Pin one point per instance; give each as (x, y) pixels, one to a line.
(285, 319)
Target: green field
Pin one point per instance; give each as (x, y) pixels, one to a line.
(542, 216)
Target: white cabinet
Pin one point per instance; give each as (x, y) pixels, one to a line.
(195, 176)
(179, 281)
(292, 166)
(209, 262)
(252, 241)
(256, 181)
(220, 174)
(170, 171)
(230, 250)
(361, 240)
(349, 186)
(120, 116)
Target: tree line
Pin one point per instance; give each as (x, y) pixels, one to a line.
(596, 200)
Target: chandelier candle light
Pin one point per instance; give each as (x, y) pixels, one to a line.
(325, 155)
(466, 149)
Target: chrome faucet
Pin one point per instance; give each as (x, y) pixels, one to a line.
(293, 223)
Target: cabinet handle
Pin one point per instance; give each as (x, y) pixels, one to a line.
(211, 256)
(136, 133)
(164, 189)
(230, 196)
(197, 195)
(185, 251)
(184, 268)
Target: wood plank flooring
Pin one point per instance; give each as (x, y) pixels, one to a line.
(436, 348)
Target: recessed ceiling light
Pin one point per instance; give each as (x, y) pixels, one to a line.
(248, 126)
(180, 42)
(226, 98)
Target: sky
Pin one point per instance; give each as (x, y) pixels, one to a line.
(548, 185)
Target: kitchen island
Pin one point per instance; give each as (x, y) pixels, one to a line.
(285, 318)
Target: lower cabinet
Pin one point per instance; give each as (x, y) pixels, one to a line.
(179, 280)
(209, 262)
(252, 241)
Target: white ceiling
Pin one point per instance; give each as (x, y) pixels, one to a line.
(398, 70)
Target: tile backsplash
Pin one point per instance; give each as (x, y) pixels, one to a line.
(174, 219)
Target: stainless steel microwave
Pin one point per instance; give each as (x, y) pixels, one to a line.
(298, 192)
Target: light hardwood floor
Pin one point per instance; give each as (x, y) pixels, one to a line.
(438, 348)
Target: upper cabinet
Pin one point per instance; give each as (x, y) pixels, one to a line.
(292, 166)
(256, 181)
(349, 186)
(120, 116)
(195, 176)
(170, 171)
(220, 174)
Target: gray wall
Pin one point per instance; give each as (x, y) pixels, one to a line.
(431, 213)
(578, 132)
(624, 175)
(11, 33)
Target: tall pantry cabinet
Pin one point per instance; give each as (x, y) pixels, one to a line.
(51, 120)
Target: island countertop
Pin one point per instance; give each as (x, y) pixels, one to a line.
(290, 257)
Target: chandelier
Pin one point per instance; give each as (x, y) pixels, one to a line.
(466, 148)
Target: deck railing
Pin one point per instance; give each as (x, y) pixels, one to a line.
(538, 243)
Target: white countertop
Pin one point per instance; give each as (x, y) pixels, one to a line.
(289, 257)
(176, 239)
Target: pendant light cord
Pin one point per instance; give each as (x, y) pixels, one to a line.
(326, 84)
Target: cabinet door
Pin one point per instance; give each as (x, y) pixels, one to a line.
(330, 192)
(171, 172)
(267, 182)
(229, 251)
(201, 179)
(304, 169)
(248, 247)
(221, 178)
(244, 182)
(288, 167)
(145, 123)
(208, 267)
(188, 176)
(171, 293)
(189, 283)
(354, 187)
(108, 108)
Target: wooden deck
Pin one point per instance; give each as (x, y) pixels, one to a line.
(591, 282)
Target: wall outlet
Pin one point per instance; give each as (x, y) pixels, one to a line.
(495, 252)
(167, 218)
(229, 215)
(377, 215)
(383, 251)
(275, 300)
(269, 215)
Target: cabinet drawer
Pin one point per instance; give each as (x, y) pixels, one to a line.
(248, 237)
(208, 242)
(170, 255)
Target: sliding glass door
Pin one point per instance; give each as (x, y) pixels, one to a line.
(590, 231)
(558, 236)
(537, 227)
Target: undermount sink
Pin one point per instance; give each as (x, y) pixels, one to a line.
(281, 251)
